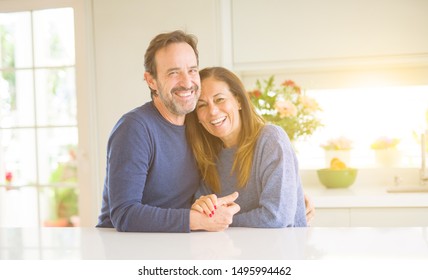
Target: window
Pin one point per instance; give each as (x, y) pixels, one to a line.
(364, 115)
(38, 119)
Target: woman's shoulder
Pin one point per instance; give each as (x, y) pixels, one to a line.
(271, 132)
(273, 138)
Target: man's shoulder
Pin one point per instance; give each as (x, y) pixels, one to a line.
(143, 111)
(142, 115)
(135, 119)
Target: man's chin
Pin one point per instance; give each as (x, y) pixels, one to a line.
(188, 108)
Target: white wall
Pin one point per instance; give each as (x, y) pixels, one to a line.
(122, 32)
(258, 30)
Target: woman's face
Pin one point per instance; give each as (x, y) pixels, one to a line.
(218, 111)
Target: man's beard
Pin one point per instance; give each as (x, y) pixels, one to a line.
(178, 108)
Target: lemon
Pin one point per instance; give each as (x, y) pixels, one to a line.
(337, 164)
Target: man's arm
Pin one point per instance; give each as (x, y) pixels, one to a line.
(129, 157)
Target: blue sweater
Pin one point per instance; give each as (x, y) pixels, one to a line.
(273, 196)
(151, 175)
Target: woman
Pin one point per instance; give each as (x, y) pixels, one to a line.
(236, 151)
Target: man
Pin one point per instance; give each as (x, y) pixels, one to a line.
(151, 174)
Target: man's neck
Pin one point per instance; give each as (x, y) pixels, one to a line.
(167, 115)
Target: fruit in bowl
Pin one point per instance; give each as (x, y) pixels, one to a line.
(338, 175)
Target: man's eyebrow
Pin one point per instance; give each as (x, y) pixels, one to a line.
(178, 68)
(173, 69)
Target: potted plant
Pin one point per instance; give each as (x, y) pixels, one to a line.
(386, 151)
(64, 207)
(63, 197)
(340, 148)
(286, 106)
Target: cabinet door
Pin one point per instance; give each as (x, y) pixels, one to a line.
(331, 217)
(292, 31)
(389, 217)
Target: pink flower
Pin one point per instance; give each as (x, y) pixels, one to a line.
(286, 108)
(340, 143)
(8, 176)
(308, 103)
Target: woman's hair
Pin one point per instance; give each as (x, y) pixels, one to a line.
(163, 40)
(206, 147)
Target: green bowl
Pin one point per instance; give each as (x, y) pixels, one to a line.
(335, 179)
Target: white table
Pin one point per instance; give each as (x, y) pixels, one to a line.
(233, 244)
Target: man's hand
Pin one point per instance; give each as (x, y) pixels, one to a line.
(226, 208)
(310, 209)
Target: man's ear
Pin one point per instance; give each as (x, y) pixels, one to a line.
(151, 82)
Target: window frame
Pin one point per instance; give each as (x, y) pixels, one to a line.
(85, 94)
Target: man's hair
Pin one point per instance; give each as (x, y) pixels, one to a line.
(163, 40)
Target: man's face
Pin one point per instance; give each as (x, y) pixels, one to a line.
(178, 81)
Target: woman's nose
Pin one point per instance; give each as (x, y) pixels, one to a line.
(213, 109)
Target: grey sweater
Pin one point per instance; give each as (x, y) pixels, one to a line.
(273, 196)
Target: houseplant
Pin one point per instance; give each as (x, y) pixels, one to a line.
(339, 147)
(386, 151)
(286, 106)
(63, 194)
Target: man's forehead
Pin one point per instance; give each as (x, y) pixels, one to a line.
(176, 53)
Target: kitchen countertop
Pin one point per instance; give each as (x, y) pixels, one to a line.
(365, 196)
(234, 243)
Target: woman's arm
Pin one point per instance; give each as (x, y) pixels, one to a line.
(281, 202)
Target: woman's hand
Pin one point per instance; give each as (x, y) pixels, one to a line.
(206, 204)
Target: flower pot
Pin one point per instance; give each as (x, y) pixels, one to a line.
(387, 157)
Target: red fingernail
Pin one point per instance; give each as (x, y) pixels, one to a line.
(215, 206)
(211, 215)
(212, 212)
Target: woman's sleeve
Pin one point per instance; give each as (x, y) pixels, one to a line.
(281, 202)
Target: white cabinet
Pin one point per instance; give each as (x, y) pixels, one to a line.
(290, 32)
(331, 217)
(389, 217)
(371, 217)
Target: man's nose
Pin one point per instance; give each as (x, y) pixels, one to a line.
(186, 80)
